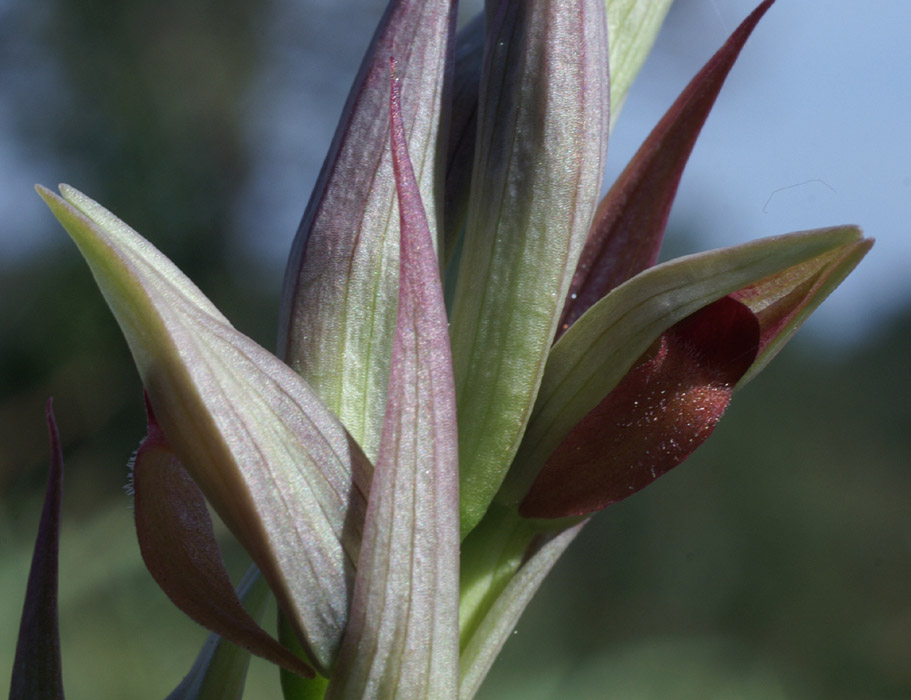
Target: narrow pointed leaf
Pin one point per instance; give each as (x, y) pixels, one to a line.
(220, 669)
(340, 290)
(37, 667)
(402, 638)
(630, 221)
(632, 27)
(542, 136)
(273, 460)
(178, 546)
(485, 643)
(655, 418)
(599, 349)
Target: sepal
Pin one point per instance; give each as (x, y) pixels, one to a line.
(402, 637)
(339, 297)
(632, 27)
(539, 163)
(272, 459)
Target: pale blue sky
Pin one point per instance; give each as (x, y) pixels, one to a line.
(811, 129)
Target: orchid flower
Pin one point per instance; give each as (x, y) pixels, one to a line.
(474, 355)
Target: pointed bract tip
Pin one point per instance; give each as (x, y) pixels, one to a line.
(37, 667)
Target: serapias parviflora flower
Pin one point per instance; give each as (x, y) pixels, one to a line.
(574, 372)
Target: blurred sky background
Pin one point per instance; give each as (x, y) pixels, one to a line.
(811, 129)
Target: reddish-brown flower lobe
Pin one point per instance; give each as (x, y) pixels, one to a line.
(654, 419)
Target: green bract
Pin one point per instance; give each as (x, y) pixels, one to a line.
(475, 354)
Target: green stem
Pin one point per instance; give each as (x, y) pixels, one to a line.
(491, 555)
(294, 687)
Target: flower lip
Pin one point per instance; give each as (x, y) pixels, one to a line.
(664, 408)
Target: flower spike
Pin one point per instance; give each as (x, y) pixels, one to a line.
(574, 372)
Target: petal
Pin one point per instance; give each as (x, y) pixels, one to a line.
(271, 458)
(629, 224)
(220, 669)
(179, 549)
(402, 638)
(37, 668)
(340, 290)
(542, 136)
(654, 419)
(598, 350)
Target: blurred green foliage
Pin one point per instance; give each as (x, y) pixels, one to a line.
(775, 564)
(140, 105)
